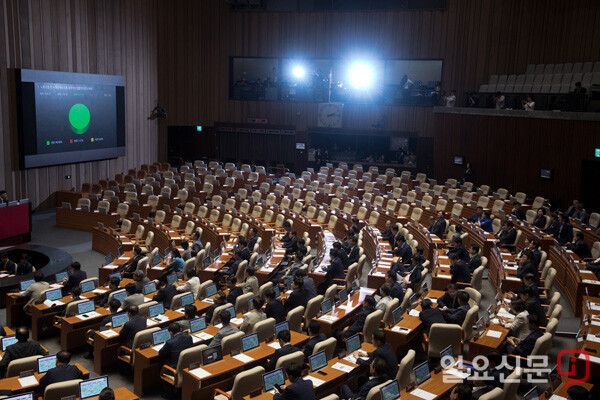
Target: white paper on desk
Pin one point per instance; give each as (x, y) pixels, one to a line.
(378, 274)
(328, 318)
(494, 334)
(151, 322)
(237, 321)
(158, 347)
(195, 339)
(351, 359)
(592, 338)
(49, 303)
(557, 397)
(315, 381)
(200, 373)
(158, 268)
(243, 358)
(457, 373)
(123, 258)
(443, 257)
(510, 267)
(505, 254)
(275, 345)
(266, 269)
(514, 278)
(343, 367)
(592, 358)
(99, 291)
(5, 275)
(147, 299)
(111, 266)
(413, 313)
(53, 286)
(495, 321)
(423, 394)
(204, 335)
(109, 333)
(590, 281)
(400, 329)
(28, 381)
(210, 269)
(444, 276)
(596, 323)
(345, 307)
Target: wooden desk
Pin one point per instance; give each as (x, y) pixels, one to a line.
(14, 307)
(339, 317)
(560, 391)
(83, 220)
(13, 384)
(485, 343)
(223, 372)
(121, 394)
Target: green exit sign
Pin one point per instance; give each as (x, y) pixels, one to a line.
(199, 129)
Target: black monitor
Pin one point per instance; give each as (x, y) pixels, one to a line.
(231, 311)
(186, 299)
(270, 379)
(211, 355)
(156, 310)
(119, 319)
(282, 326)
(277, 291)
(87, 286)
(120, 295)
(211, 290)
(116, 275)
(343, 295)
(422, 373)
(149, 288)
(61, 275)
(22, 396)
(397, 314)
(447, 357)
(25, 284)
(46, 363)
(198, 324)
(92, 387)
(172, 278)
(86, 307)
(250, 342)
(391, 391)
(54, 294)
(318, 361)
(326, 306)
(160, 337)
(353, 343)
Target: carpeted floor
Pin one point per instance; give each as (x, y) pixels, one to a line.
(79, 245)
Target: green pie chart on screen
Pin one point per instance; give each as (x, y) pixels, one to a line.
(79, 118)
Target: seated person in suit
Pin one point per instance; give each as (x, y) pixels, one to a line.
(430, 315)
(218, 300)
(286, 275)
(383, 350)
(532, 245)
(335, 270)
(302, 249)
(190, 312)
(298, 389)
(580, 247)
(523, 348)
(135, 324)
(394, 234)
(187, 253)
(298, 297)
(6, 265)
(354, 253)
(396, 290)
(565, 231)
(131, 266)
(75, 277)
(62, 372)
(173, 347)
(314, 326)
(402, 250)
(197, 245)
(459, 270)
(458, 248)
(477, 215)
(342, 253)
(357, 326)
(24, 267)
(462, 391)
(134, 298)
(140, 280)
(517, 211)
(528, 282)
(485, 222)
(526, 267)
(439, 226)
(458, 315)
(474, 258)
(253, 238)
(449, 299)
(166, 292)
(411, 279)
(234, 290)
(274, 308)
(497, 371)
(254, 316)
(377, 370)
(553, 226)
(35, 291)
(250, 284)
(577, 392)
(581, 214)
(291, 246)
(284, 338)
(226, 329)
(533, 305)
(386, 234)
(230, 268)
(113, 286)
(457, 232)
(113, 307)
(76, 296)
(540, 218)
(309, 283)
(519, 326)
(507, 235)
(23, 348)
(383, 297)
(286, 237)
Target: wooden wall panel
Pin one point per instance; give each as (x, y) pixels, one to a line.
(88, 36)
(509, 152)
(476, 38)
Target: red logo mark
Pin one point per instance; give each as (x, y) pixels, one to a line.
(572, 371)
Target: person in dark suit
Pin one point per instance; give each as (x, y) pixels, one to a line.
(383, 350)
(572, 208)
(253, 232)
(23, 348)
(402, 250)
(234, 290)
(62, 372)
(533, 305)
(462, 391)
(523, 348)
(507, 235)
(298, 297)
(131, 265)
(309, 284)
(534, 246)
(298, 389)
(517, 211)
(113, 286)
(135, 324)
(231, 266)
(314, 327)
(439, 226)
(476, 216)
(75, 277)
(354, 251)
(285, 348)
(449, 299)
(578, 392)
(474, 258)
(393, 236)
(113, 307)
(335, 270)
(286, 237)
(386, 234)
(540, 218)
(553, 226)
(565, 232)
(430, 315)
(173, 347)
(396, 291)
(165, 292)
(378, 376)
(459, 249)
(497, 371)
(24, 267)
(3, 197)
(526, 267)
(459, 270)
(359, 323)
(243, 246)
(291, 246)
(458, 315)
(342, 254)
(412, 274)
(581, 214)
(6, 265)
(274, 308)
(218, 300)
(580, 247)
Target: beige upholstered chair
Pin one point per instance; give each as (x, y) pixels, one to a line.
(495, 394)
(15, 367)
(404, 369)
(216, 312)
(145, 336)
(470, 320)
(476, 279)
(232, 342)
(328, 345)
(245, 383)
(371, 324)
(294, 319)
(60, 390)
(474, 296)
(264, 329)
(294, 358)
(312, 308)
(442, 336)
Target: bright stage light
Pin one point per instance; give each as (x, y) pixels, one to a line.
(361, 75)
(298, 72)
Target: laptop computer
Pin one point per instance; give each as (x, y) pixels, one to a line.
(25, 284)
(116, 275)
(120, 295)
(391, 391)
(318, 361)
(156, 310)
(149, 288)
(186, 299)
(282, 326)
(197, 324)
(326, 306)
(172, 278)
(343, 296)
(88, 286)
(61, 275)
(422, 373)
(159, 338)
(250, 342)
(447, 357)
(272, 379)
(92, 387)
(211, 355)
(46, 363)
(85, 308)
(54, 294)
(119, 319)
(211, 290)
(353, 344)
(23, 396)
